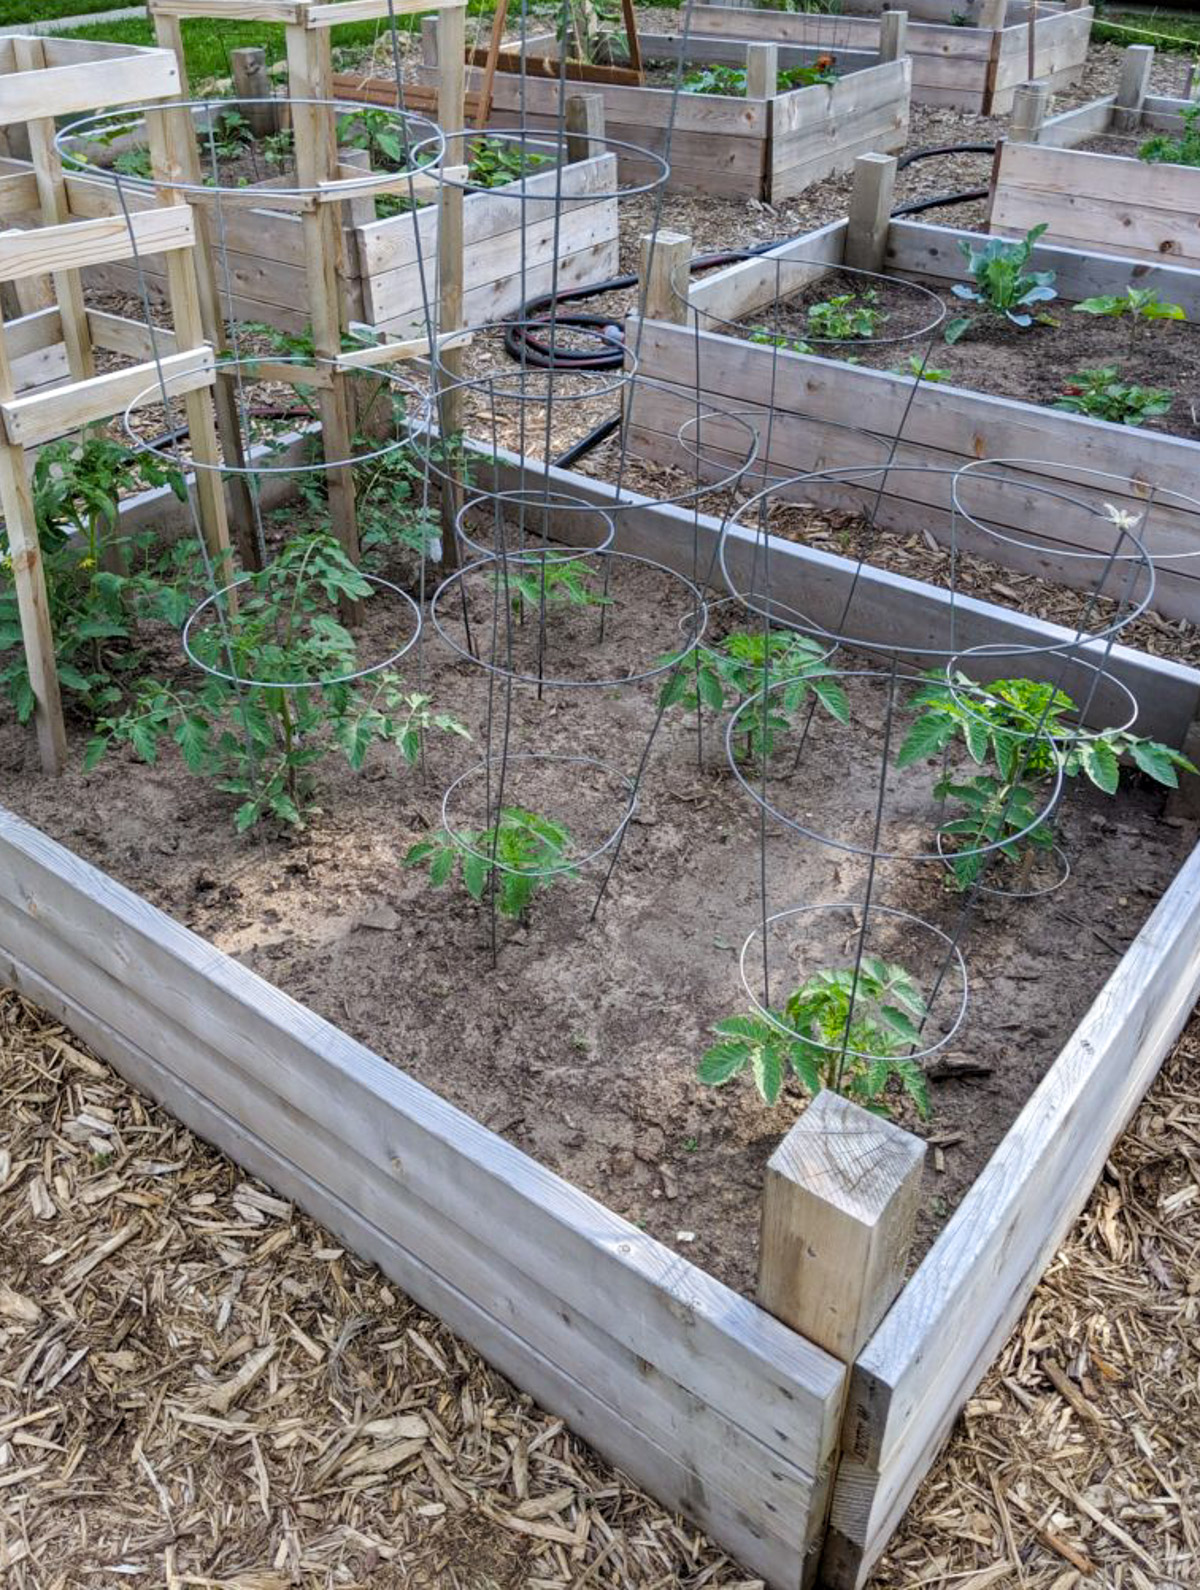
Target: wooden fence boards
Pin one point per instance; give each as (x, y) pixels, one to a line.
(454, 1198)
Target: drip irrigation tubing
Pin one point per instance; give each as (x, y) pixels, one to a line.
(523, 342)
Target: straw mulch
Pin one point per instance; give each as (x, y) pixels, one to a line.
(198, 1387)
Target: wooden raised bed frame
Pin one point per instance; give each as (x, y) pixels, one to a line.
(976, 67)
(766, 145)
(822, 407)
(1091, 200)
(380, 280)
(797, 1461)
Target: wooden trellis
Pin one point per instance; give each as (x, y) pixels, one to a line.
(307, 25)
(42, 79)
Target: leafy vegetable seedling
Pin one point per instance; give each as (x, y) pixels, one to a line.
(100, 585)
(526, 852)
(1102, 395)
(262, 741)
(1002, 285)
(558, 581)
(723, 676)
(1139, 303)
(876, 1017)
(1181, 151)
(848, 317)
(1020, 732)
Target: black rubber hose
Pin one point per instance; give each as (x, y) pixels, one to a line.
(919, 206)
(943, 149)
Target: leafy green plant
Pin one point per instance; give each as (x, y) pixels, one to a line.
(232, 133)
(731, 80)
(1139, 303)
(134, 162)
(588, 31)
(495, 161)
(1002, 284)
(877, 1017)
(723, 676)
(847, 317)
(100, 585)
(556, 580)
(1021, 731)
(376, 131)
(1181, 151)
(923, 372)
(1101, 394)
(524, 851)
(278, 148)
(264, 740)
(773, 339)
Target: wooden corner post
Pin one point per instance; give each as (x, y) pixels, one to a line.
(762, 70)
(1132, 87)
(1030, 103)
(839, 1213)
(665, 259)
(870, 212)
(893, 35)
(584, 119)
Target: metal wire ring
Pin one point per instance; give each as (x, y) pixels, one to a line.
(755, 702)
(867, 907)
(539, 756)
(543, 501)
(299, 684)
(699, 612)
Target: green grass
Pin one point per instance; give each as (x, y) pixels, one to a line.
(1166, 30)
(207, 42)
(13, 12)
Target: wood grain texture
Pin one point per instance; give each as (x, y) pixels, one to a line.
(43, 415)
(130, 77)
(938, 1339)
(705, 1337)
(839, 1213)
(1099, 201)
(80, 243)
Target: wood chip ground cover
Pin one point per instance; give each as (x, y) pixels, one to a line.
(199, 1387)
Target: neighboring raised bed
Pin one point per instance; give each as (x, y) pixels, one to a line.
(823, 407)
(973, 67)
(716, 1407)
(768, 148)
(379, 272)
(1092, 199)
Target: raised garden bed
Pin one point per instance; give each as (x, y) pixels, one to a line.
(971, 56)
(1105, 196)
(719, 1409)
(770, 147)
(828, 414)
(379, 274)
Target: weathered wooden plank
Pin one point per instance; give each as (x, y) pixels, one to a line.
(772, 1495)
(386, 245)
(81, 243)
(742, 288)
(935, 1344)
(133, 76)
(489, 302)
(805, 111)
(132, 337)
(1076, 126)
(389, 293)
(746, 1366)
(43, 415)
(1099, 201)
(913, 615)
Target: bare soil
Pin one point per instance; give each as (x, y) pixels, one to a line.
(1033, 364)
(580, 1045)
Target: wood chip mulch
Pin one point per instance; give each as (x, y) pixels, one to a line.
(199, 1387)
